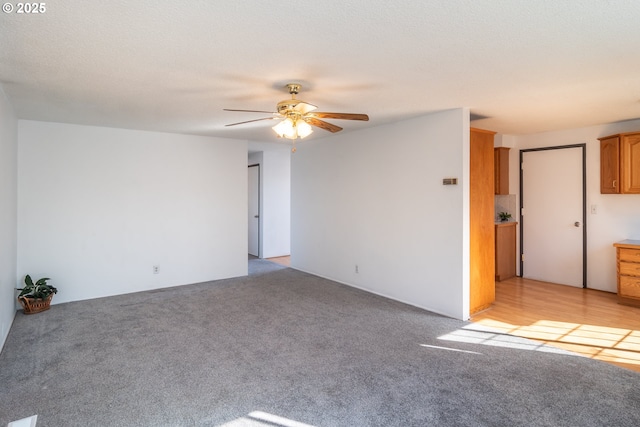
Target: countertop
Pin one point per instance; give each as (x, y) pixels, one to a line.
(631, 244)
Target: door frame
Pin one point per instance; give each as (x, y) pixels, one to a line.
(584, 204)
(259, 208)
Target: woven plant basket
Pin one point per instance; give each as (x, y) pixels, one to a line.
(35, 305)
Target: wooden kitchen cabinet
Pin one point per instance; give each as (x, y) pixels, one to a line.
(482, 286)
(505, 250)
(620, 163)
(628, 271)
(501, 170)
(630, 163)
(609, 164)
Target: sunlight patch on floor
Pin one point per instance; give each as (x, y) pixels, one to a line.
(25, 422)
(597, 342)
(485, 335)
(264, 419)
(437, 347)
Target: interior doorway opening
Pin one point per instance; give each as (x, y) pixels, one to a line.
(253, 210)
(269, 190)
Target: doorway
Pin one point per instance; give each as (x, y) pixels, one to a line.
(553, 232)
(253, 211)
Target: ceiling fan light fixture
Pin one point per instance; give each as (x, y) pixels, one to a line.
(303, 128)
(285, 129)
(290, 129)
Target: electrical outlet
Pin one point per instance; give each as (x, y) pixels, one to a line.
(594, 209)
(156, 269)
(357, 269)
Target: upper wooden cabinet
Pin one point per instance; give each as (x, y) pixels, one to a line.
(610, 164)
(501, 170)
(620, 163)
(630, 163)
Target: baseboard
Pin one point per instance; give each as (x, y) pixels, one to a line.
(4, 330)
(351, 285)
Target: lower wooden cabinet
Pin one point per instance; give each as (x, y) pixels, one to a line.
(505, 250)
(628, 270)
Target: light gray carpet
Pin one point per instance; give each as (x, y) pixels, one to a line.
(291, 345)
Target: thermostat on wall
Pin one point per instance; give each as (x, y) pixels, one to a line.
(450, 181)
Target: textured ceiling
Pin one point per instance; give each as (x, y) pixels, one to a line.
(527, 66)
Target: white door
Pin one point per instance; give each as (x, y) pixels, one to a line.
(552, 221)
(254, 210)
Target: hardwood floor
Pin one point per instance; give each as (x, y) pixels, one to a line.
(584, 321)
(282, 260)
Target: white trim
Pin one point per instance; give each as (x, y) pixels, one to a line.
(375, 293)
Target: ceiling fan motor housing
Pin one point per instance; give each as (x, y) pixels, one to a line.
(287, 105)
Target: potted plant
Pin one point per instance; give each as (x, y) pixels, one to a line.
(35, 297)
(504, 216)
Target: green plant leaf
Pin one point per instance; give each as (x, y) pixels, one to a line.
(42, 281)
(28, 281)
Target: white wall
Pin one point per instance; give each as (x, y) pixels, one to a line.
(277, 203)
(618, 215)
(374, 198)
(275, 197)
(8, 214)
(99, 207)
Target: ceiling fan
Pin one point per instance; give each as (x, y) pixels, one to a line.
(298, 116)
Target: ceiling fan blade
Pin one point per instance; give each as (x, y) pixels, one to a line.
(250, 111)
(249, 121)
(322, 124)
(341, 116)
(304, 107)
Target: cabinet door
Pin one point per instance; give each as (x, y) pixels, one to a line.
(610, 165)
(505, 251)
(501, 170)
(630, 163)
